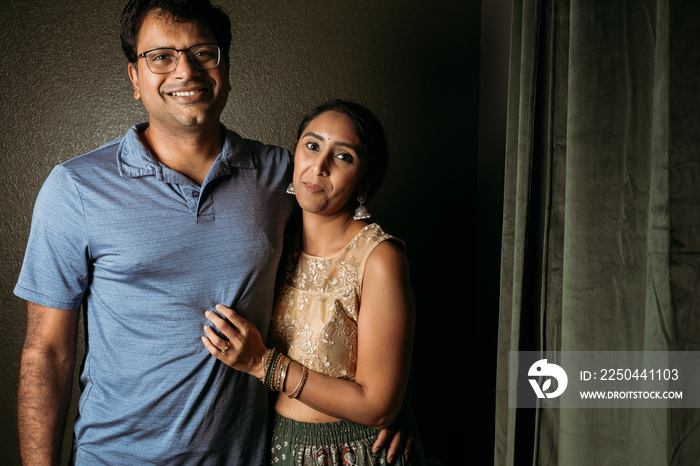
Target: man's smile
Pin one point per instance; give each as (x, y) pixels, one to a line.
(183, 93)
(187, 92)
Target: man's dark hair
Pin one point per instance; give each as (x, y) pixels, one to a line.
(202, 11)
(369, 131)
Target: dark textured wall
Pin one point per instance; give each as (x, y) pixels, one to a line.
(65, 91)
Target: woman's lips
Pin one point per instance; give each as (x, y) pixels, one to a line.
(313, 188)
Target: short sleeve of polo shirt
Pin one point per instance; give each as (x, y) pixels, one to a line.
(55, 268)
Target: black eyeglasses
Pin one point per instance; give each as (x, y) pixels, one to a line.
(165, 60)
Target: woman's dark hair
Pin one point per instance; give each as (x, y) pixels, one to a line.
(369, 131)
(202, 11)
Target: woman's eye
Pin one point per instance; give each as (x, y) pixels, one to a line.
(345, 157)
(312, 146)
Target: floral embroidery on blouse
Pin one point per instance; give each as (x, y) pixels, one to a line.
(315, 318)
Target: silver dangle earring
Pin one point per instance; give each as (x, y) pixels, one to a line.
(361, 213)
(290, 189)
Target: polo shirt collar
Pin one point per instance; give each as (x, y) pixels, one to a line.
(135, 160)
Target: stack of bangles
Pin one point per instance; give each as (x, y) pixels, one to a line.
(275, 365)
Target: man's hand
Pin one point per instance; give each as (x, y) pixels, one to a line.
(398, 437)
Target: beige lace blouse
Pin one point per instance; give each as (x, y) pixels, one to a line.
(315, 319)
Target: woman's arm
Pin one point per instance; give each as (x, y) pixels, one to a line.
(385, 339)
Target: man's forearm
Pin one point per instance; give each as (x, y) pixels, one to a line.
(44, 394)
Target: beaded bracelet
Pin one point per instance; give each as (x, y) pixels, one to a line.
(267, 361)
(272, 368)
(275, 368)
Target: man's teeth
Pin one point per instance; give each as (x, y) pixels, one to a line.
(184, 94)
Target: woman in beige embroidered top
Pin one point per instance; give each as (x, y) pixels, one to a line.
(342, 329)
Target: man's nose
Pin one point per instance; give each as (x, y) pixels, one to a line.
(185, 66)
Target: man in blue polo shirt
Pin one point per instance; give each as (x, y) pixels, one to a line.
(147, 233)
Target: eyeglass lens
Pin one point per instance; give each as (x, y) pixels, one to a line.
(165, 60)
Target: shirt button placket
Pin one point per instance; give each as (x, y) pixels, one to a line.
(192, 198)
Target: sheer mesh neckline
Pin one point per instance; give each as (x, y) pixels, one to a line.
(341, 251)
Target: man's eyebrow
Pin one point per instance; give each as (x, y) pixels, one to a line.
(336, 143)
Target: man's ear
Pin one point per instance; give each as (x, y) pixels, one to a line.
(134, 77)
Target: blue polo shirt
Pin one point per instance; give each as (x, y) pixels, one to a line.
(147, 251)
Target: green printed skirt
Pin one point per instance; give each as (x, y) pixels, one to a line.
(341, 443)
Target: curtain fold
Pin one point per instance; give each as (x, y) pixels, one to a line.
(601, 224)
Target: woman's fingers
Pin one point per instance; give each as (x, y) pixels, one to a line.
(211, 347)
(239, 323)
(219, 344)
(238, 343)
(231, 324)
(220, 323)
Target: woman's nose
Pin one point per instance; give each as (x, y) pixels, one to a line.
(321, 165)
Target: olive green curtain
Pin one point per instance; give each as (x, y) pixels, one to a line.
(601, 228)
